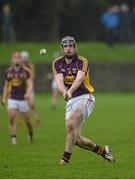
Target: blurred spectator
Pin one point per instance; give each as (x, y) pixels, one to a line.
(126, 34)
(7, 24)
(54, 89)
(133, 22)
(111, 20)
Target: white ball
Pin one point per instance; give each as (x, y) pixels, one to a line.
(43, 51)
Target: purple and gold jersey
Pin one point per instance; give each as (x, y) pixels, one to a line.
(31, 67)
(16, 82)
(69, 72)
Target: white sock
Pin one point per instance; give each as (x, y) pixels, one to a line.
(29, 138)
(13, 139)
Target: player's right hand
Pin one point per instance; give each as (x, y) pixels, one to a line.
(3, 102)
(65, 96)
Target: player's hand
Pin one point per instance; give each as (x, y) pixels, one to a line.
(3, 101)
(65, 95)
(69, 94)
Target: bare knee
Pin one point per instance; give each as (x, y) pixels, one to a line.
(12, 120)
(78, 140)
(70, 127)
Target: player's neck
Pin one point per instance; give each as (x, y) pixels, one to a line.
(69, 59)
(17, 67)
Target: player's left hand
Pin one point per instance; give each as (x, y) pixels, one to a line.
(69, 94)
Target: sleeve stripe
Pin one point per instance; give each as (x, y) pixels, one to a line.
(85, 63)
(53, 68)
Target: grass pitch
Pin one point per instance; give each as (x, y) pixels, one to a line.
(111, 123)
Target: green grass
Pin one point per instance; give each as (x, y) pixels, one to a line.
(94, 51)
(111, 123)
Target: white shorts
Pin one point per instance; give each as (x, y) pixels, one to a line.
(84, 104)
(21, 105)
(54, 84)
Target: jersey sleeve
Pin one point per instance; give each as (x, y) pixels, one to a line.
(56, 68)
(28, 74)
(7, 76)
(83, 65)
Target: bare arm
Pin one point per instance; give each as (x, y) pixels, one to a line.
(5, 93)
(79, 79)
(60, 83)
(29, 88)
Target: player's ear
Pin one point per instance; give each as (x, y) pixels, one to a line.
(61, 48)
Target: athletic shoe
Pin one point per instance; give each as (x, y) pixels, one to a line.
(63, 163)
(108, 156)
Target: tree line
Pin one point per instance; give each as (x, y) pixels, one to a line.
(49, 20)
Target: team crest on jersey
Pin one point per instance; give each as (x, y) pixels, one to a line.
(16, 82)
(69, 80)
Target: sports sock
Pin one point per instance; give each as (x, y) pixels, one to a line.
(66, 156)
(13, 139)
(30, 137)
(99, 150)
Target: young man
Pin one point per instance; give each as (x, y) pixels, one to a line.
(27, 65)
(71, 72)
(17, 89)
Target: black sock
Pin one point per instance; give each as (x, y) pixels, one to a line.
(99, 150)
(13, 135)
(66, 156)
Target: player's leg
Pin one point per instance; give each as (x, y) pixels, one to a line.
(24, 110)
(82, 141)
(12, 113)
(71, 125)
(12, 110)
(87, 144)
(28, 122)
(32, 105)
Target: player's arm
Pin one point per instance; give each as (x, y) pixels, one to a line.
(29, 88)
(33, 71)
(5, 93)
(30, 71)
(60, 82)
(77, 82)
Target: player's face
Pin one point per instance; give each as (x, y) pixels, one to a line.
(69, 49)
(16, 61)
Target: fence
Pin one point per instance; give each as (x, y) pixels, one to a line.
(104, 77)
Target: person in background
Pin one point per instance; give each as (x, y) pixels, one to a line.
(54, 88)
(125, 30)
(17, 88)
(8, 31)
(111, 21)
(25, 60)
